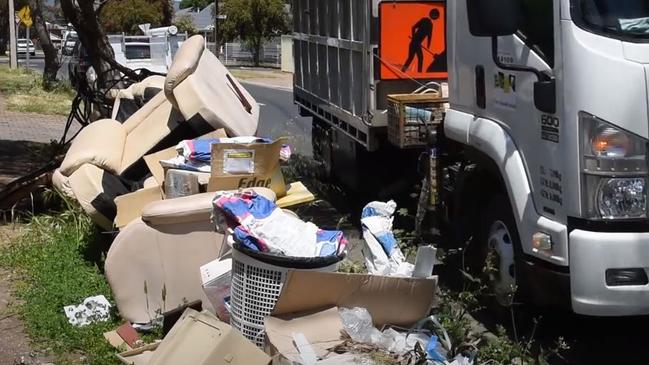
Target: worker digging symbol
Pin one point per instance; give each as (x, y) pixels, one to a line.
(422, 30)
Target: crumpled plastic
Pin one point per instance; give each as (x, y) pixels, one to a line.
(358, 324)
(91, 310)
(382, 253)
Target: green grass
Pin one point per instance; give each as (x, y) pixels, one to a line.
(57, 259)
(23, 92)
(246, 74)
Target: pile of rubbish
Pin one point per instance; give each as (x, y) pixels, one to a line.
(200, 211)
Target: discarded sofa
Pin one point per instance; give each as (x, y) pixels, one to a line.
(105, 159)
(153, 264)
(130, 100)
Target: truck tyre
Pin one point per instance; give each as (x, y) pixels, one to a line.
(499, 248)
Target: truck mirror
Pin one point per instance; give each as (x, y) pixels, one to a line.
(493, 18)
(545, 96)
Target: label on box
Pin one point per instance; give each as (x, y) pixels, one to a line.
(239, 162)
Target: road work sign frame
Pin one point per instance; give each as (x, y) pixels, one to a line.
(412, 40)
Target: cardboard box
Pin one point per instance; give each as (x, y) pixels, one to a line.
(247, 165)
(130, 206)
(201, 339)
(309, 301)
(230, 159)
(274, 181)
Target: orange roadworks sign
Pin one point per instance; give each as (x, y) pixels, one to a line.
(413, 40)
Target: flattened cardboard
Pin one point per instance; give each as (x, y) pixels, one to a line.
(139, 356)
(322, 330)
(309, 305)
(201, 339)
(153, 163)
(115, 340)
(130, 206)
(274, 182)
(296, 194)
(390, 300)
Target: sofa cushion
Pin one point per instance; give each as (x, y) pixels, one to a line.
(100, 144)
(96, 190)
(183, 65)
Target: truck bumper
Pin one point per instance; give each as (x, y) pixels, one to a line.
(591, 255)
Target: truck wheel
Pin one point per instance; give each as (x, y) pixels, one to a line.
(500, 245)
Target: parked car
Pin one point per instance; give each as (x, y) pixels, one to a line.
(22, 46)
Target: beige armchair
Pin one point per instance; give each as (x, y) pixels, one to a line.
(105, 160)
(162, 253)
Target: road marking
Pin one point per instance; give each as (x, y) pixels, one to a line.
(261, 104)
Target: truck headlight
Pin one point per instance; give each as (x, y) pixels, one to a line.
(614, 171)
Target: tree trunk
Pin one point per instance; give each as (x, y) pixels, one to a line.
(51, 57)
(85, 19)
(4, 29)
(256, 51)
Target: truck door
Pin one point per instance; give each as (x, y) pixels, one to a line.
(537, 134)
(507, 97)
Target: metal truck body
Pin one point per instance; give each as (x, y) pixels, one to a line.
(574, 175)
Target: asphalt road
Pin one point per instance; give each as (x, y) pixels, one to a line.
(279, 117)
(37, 63)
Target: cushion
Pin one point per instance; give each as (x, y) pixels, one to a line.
(95, 190)
(183, 65)
(100, 144)
(152, 270)
(213, 93)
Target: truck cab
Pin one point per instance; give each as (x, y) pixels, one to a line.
(559, 102)
(546, 129)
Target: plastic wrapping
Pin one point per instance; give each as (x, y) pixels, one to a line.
(179, 183)
(358, 324)
(382, 253)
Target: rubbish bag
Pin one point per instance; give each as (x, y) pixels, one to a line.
(382, 253)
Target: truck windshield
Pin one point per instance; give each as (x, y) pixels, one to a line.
(619, 18)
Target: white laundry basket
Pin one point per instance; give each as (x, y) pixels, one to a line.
(254, 291)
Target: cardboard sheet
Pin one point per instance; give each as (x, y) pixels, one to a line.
(130, 206)
(321, 329)
(390, 300)
(201, 339)
(296, 194)
(309, 302)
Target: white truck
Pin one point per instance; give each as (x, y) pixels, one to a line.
(544, 141)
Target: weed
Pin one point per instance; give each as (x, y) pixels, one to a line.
(24, 93)
(51, 259)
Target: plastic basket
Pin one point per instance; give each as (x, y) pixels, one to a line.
(255, 287)
(408, 129)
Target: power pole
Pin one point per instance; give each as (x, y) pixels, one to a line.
(13, 63)
(217, 47)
